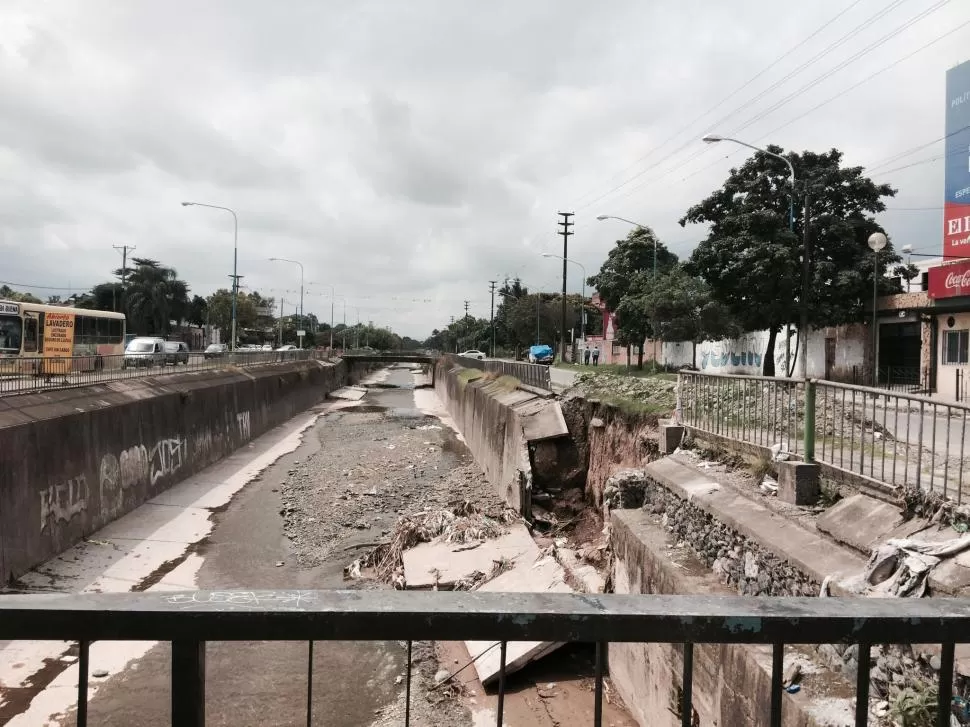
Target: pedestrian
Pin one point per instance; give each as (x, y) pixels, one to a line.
(596, 355)
(586, 356)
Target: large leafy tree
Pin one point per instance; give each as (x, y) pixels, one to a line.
(155, 297)
(752, 260)
(220, 311)
(631, 269)
(686, 310)
(8, 293)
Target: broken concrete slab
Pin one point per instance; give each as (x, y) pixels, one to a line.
(442, 564)
(582, 576)
(542, 419)
(543, 576)
(349, 393)
(860, 521)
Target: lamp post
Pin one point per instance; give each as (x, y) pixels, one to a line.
(803, 317)
(582, 317)
(295, 262)
(235, 261)
(877, 241)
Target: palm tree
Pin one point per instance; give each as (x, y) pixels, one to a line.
(155, 297)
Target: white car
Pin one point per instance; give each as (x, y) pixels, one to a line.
(473, 354)
(287, 347)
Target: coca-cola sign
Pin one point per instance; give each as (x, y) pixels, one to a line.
(949, 281)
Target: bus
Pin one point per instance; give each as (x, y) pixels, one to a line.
(49, 339)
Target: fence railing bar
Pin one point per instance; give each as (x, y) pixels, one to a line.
(933, 452)
(862, 686)
(309, 684)
(598, 686)
(500, 711)
(944, 694)
(963, 443)
(188, 683)
(407, 687)
(82, 682)
(687, 687)
(777, 677)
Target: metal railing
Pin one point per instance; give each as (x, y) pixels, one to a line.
(26, 374)
(188, 620)
(536, 375)
(895, 439)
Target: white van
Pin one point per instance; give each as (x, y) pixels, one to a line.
(144, 352)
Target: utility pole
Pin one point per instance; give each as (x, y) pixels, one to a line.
(456, 334)
(124, 271)
(466, 309)
(235, 294)
(492, 284)
(565, 232)
(806, 287)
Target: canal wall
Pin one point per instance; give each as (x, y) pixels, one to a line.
(505, 426)
(73, 460)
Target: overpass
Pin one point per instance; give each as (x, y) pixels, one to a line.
(377, 357)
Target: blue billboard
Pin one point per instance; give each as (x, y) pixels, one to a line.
(956, 202)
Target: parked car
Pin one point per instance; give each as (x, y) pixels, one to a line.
(214, 350)
(144, 351)
(267, 347)
(288, 347)
(473, 353)
(541, 354)
(176, 352)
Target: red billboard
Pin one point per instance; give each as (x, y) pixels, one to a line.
(956, 200)
(948, 281)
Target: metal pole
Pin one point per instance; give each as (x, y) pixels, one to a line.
(492, 288)
(332, 294)
(875, 334)
(235, 274)
(537, 317)
(302, 319)
(806, 288)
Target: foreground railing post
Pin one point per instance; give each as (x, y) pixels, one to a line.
(809, 420)
(188, 683)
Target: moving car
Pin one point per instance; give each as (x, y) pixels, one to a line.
(473, 353)
(144, 351)
(288, 347)
(214, 350)
(541, 354)
(176, 352)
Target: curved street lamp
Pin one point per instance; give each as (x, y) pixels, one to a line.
(235, 260)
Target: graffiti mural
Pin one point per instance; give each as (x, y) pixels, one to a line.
(63, 501)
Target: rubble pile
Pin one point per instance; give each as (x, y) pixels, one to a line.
(659, 394)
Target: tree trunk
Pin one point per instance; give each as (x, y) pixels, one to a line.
(640, 357)
(768, 365)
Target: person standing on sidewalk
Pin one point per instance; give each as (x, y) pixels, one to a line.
(586, 356)
(596, 355)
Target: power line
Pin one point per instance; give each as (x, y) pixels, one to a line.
(731, 95)
(914, 149)
(46, 287)
(818, 56)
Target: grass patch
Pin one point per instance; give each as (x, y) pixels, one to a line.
(509, 383)
(466, 376)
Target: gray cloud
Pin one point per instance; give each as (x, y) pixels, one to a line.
(408, 152)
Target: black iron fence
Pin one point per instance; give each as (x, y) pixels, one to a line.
(189, 620)
(536, 375)
(27, 374)
(892, 438)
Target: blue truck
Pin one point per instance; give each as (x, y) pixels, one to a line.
(541, 354)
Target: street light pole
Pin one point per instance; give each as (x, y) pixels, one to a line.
(877, 241)
(582, 317)
(235, 261)
(295, 262)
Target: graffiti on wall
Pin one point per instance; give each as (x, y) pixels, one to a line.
(242, 423)
(743, 355)
(63, 501)
(710, 359)
(136, 466)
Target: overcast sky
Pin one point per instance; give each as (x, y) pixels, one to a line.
(409, 152)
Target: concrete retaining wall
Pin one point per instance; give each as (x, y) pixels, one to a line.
(72, 461)
(498, 422)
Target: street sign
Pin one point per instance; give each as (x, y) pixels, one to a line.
(300, 334)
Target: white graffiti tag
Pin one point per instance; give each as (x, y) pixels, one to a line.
(166, 458)
(63, 501)
(242, 422)
(133, 463)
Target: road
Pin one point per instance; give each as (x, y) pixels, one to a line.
(561, 378)
(288, 511)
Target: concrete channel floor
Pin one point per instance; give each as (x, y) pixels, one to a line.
(222, 529)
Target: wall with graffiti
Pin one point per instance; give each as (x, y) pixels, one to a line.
(87, 459)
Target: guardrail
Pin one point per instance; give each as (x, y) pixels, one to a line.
(896, 439)
(531, 374)
(188, 620)
(26, 374)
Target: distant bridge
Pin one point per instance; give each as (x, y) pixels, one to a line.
(389, 357)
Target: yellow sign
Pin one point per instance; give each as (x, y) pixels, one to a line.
(58, 342)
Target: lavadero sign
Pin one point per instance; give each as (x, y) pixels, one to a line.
(956, 202)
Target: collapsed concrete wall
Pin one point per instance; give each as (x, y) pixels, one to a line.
(498, 421)
(72, 461)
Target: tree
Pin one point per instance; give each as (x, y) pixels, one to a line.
(8, 293)
(197, 311)
(626, 275)
(155, 297)
(220, 311)
(683, 305)
(752, 261)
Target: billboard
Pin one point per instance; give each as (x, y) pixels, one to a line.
(949, 281)
(58, 342)
(956, 201)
